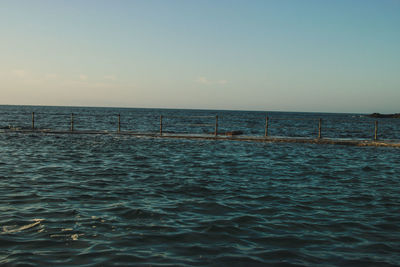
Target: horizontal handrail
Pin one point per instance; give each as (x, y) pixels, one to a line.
(194, 124)
(292, 119)
(182, 117)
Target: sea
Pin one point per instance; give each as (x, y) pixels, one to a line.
(108, 199)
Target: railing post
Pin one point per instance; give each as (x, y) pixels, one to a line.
(319, 128)
(72, 122)
(161, 125)
(376, 131)
(266, 126)
(33, 120)
(119, 123)
(216, 125)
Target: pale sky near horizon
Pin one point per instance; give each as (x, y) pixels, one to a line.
(283, 55)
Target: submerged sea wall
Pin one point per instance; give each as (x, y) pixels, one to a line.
(266, 139)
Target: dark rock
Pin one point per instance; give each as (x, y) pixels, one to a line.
(232, 133)
(379, 115)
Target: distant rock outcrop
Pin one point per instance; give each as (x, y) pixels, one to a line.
(379, 115)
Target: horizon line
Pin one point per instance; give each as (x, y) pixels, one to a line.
(176, 108)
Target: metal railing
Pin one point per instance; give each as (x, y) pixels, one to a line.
(266, 126)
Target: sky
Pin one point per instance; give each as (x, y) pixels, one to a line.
(282, 55)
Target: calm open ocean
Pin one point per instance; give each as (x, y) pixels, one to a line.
(121, 200)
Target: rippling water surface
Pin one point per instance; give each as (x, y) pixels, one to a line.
(121, 200)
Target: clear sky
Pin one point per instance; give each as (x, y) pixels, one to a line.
(287, 55)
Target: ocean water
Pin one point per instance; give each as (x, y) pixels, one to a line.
(109, 199)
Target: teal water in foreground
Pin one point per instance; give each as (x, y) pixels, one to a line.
(119, 200)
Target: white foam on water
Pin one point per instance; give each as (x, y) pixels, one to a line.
(11, 229)
(74, 237)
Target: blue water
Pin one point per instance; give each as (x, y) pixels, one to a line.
(122, 200)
